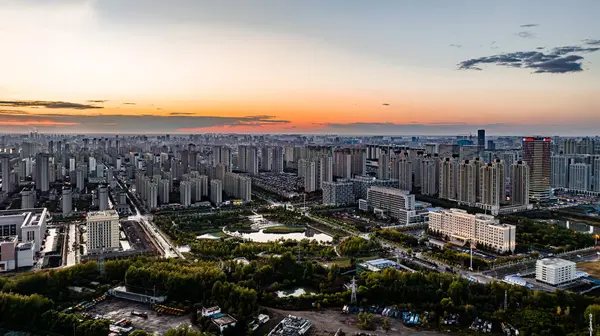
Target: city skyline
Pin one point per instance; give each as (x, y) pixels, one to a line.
(335, 67)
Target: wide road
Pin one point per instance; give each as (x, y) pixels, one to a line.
(169, 250)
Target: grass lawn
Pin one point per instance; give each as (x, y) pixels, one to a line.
(592, 268)
(284, 229)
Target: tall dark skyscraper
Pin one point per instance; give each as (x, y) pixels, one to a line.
(536, 153)
(481, 139)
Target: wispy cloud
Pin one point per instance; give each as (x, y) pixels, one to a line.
(47, 104)
(558, 60)
(180, 113)
(129, 103)
(529, 25)
(592, 42)
(525, 34)
(97, 101)
(455, 45)
(131, 123)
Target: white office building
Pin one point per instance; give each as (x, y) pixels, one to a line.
(555, 271)
(29, 225)
(462, 227)
(102, 230)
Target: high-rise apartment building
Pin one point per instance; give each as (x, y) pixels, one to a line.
(6, 168)
(467, 187)
(519, 183)
(338, 193)
(102, 230)
(248, 159)
(216, 192)
(325, 170)
(42, 174)
(536, 152)
(448, 178)
(580, 176)
(383, 168)
(405, 173)
(559, 171)
(164, 190)
(277, 163)
(102, 197)
(185, 193)
(430, 175)
(492, 186)
(266, 162)
(151, 194)
(28, 198)
(481, 139)
(67, 201)
(310, 177)
(596, 174)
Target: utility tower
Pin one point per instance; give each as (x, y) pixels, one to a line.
(101, 262)
(353, 299)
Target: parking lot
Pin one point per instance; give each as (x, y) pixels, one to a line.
(116, 309)
(136, 236)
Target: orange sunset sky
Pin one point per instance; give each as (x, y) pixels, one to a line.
(335, 67)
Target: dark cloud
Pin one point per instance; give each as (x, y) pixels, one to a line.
(558, 60)
(385, 104)
(47, 104)
(540, 48)
(180, 113)
(591, 42)
(525, 34)
(529, 25)
(97, 101)
(559, 65)
(13, 112)
(129, 103)
(455, 45)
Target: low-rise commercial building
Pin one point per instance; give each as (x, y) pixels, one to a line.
(555, 271)
(481, 229)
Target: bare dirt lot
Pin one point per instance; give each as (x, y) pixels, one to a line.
(592, 268)
(116, 309)
(327, 322)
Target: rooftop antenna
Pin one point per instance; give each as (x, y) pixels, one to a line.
(353, 299)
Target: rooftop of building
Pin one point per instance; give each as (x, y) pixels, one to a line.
(223, 320)
(379, 264)
(103, 213)
(555, 262)
(387, 190)
(291, 326)
(9, 239)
